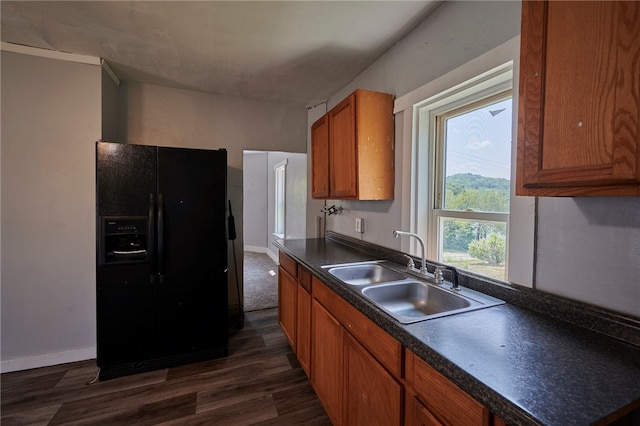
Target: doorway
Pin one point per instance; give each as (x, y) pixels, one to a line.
(274, 203)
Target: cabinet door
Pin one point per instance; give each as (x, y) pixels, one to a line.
(303, 329)
(420, 416)
(327, 340)
(343, 154)
(320, 158)
(446, 401)
(287, 294)
(579, 108)
(373, 396)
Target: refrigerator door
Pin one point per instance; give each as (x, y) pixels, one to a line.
(126, 292)
(192, 250)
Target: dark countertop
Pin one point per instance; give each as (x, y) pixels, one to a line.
(524, 366)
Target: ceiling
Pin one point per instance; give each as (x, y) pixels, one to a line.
(294, 52)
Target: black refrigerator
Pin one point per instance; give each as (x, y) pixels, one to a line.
(161, 268)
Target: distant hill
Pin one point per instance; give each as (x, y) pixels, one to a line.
(462, 181)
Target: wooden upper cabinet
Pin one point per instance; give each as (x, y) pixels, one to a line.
(320, 158)
(579, 101)
(352, 149)
(343, 149)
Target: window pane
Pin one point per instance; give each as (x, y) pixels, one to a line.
(477, 246)
(478, 159)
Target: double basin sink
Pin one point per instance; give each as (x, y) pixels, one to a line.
(405, 297)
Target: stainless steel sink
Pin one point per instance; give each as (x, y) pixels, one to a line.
(403, 296)
(364, 273)
(412, 301)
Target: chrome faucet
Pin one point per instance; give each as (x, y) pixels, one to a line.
(423, 266)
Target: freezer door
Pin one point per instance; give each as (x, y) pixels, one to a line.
(126, 295)
(125, 176)
(192, 249)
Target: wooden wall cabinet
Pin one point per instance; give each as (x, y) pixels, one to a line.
(352, 152)
(579, 101)
(320, 158)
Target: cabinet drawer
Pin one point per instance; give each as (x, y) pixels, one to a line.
(304, 278)
(444, 399)
(386, 349)
(289, 265)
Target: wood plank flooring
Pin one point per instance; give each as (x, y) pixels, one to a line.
(259, 383)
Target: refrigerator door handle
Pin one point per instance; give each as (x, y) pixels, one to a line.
(161, 237)
(151, 244)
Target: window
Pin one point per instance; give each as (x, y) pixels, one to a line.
(452, 99)
(472, 182)
(280, 170)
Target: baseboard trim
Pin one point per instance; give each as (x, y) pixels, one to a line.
(256, 249)
(27, 363)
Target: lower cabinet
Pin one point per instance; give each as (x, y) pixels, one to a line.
(419, 415)
(352, 384)
(327, 341)
(373, 397)
(287, 295)
(361, 374)
(436, 400)
(303, 329)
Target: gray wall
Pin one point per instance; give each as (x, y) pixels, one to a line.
(110, 105)
(455, 33)
(255, 181)
(51, 118)
(586, 249)
(155, 115)
(259, 198)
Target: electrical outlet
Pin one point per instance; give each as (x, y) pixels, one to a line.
(359, 225)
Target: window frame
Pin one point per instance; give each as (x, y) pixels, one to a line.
(280, 190)
(437, 117)
(522, 220)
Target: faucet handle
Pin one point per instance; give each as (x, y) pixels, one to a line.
(454, 278)
(437, 274)
(410, 263)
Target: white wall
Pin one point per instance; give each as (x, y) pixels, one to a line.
(254, 191)
(586, 249)
(51, 118)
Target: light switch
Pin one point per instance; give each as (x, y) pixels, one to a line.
(359, 225)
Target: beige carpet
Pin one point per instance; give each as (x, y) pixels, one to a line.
(260, 282)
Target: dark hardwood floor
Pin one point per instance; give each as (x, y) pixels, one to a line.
(259, 383)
